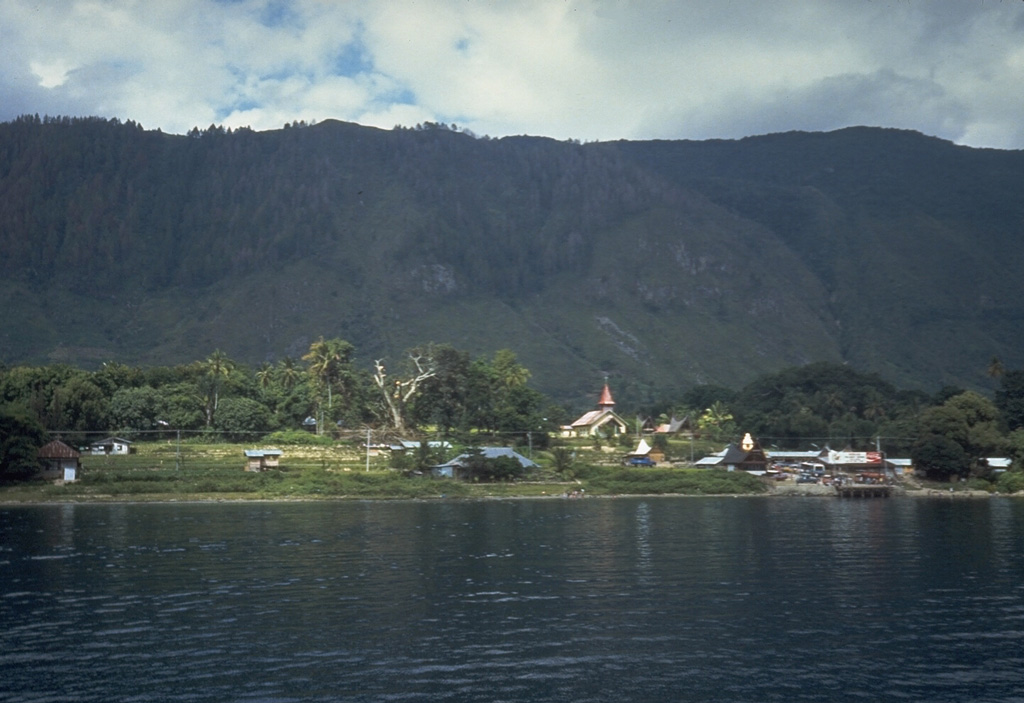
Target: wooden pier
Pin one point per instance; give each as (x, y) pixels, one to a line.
(860, 490)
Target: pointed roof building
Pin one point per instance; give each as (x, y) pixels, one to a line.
(592, 422)
(58, 461)
(746, 456)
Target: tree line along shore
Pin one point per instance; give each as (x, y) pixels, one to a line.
(323, 406)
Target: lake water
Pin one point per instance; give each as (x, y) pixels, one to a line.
(663, 599)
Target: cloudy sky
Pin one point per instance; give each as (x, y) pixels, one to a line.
(597, 70)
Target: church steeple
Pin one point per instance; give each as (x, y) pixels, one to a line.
(592, 422)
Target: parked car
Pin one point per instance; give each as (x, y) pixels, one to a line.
(806, 478)
(641, 461)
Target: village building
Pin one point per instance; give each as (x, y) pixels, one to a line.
(452, 469)
(645, 455)
(59, 461)
(900, 467)
(411, 445)
(646, 425)
(998, 464)
(262, 459)
(676, 426)
(862, 467)
(110, 445)
(604, 420)
(792, 459)
(745, 456)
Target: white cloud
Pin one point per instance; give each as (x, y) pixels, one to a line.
(591, 69)
(51, 74)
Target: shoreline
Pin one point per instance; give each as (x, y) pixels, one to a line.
(802, 492)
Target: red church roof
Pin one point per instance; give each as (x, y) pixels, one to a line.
(606, 398)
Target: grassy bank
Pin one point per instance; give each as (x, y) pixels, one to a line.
(160, 472)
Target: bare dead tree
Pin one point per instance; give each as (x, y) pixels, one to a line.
(399, 392)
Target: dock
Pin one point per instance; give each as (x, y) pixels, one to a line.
(863, 491)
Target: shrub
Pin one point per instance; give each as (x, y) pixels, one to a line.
(678, 481)
(980, 484)
(1010, 482)
(477, 467)
(563, 460)
(940, 457)
(241, 418)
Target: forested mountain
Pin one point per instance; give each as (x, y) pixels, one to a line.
(660, 264)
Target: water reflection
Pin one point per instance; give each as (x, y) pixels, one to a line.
(643, 543)
(604, 600)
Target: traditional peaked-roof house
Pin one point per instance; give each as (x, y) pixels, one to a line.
(643, 449)
(676, 426)
(600, 420)
(746, 456)
(59, 461)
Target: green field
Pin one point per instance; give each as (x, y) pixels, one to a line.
(159, 471)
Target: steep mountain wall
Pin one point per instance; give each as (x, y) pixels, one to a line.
(662, 264)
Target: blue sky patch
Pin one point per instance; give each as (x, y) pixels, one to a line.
(353, 59)
(279, 13)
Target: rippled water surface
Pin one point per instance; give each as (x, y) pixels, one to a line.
(673, 599)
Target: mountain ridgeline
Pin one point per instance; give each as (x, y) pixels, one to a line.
(662, 264)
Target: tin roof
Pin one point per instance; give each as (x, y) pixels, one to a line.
(257, 453)
(492, 453)
(109, 440)
(57, 450)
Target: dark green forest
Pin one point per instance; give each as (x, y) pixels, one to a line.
(665, 266)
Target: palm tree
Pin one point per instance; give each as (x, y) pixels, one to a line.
(508, 371)
(716, 419)
(217, 366)
(328, 363)
(264, 376)
(288, 372)
(323, 360)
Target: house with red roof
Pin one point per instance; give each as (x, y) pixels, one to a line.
(59, 461)
(604, 420)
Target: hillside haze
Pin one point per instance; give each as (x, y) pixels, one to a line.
(661, 264)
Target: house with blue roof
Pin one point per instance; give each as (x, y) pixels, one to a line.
(262, 459)
(452, 468)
